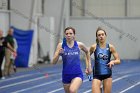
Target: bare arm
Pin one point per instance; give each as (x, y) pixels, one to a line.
(115, 55)
(56, 54)
(92, 49)
(87, 57)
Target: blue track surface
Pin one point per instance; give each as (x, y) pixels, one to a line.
(126, 79)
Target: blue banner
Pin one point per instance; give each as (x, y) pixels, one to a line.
(24, 42)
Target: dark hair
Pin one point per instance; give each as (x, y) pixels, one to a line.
(70, 28)
(98, 29)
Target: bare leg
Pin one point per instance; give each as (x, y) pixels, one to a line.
(75, 84)
(107, 85)
(66, 88)
(96, 86)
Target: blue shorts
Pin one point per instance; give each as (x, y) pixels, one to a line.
(102, 77)
(67, 78)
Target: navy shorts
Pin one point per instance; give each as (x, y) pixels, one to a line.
(102, 77)
(67, 78)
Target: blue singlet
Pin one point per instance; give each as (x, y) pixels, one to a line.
(102, 58)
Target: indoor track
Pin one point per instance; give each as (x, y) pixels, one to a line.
(126, 79)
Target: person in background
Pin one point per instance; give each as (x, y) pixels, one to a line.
(9, 58)
(4, 44)
(12, 58)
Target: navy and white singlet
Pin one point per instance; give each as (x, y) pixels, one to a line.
(102, 58)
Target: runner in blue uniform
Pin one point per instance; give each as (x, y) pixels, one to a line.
(102, 70)
(72, 75)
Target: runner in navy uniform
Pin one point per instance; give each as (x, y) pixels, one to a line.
(72, 75)
(102, 70)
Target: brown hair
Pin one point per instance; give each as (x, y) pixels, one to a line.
(70, 28)
(98, 29)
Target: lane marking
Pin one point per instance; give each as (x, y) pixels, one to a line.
(56, 90)
(22, 76)
(17, 77)
(36, 86)
(115, 80)
(26, 81)
(138, 83)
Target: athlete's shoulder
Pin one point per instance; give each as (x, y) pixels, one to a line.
(93, 46)
(112, 47)
(79, 43)
(59, 45)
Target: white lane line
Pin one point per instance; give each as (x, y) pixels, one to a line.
(22, 76)
(115, 80)
(88, 91)
(138, 83)
(56, 90)
(26, 81)
(36, 86)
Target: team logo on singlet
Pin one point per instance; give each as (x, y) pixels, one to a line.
(71, 53)
(102, 56)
